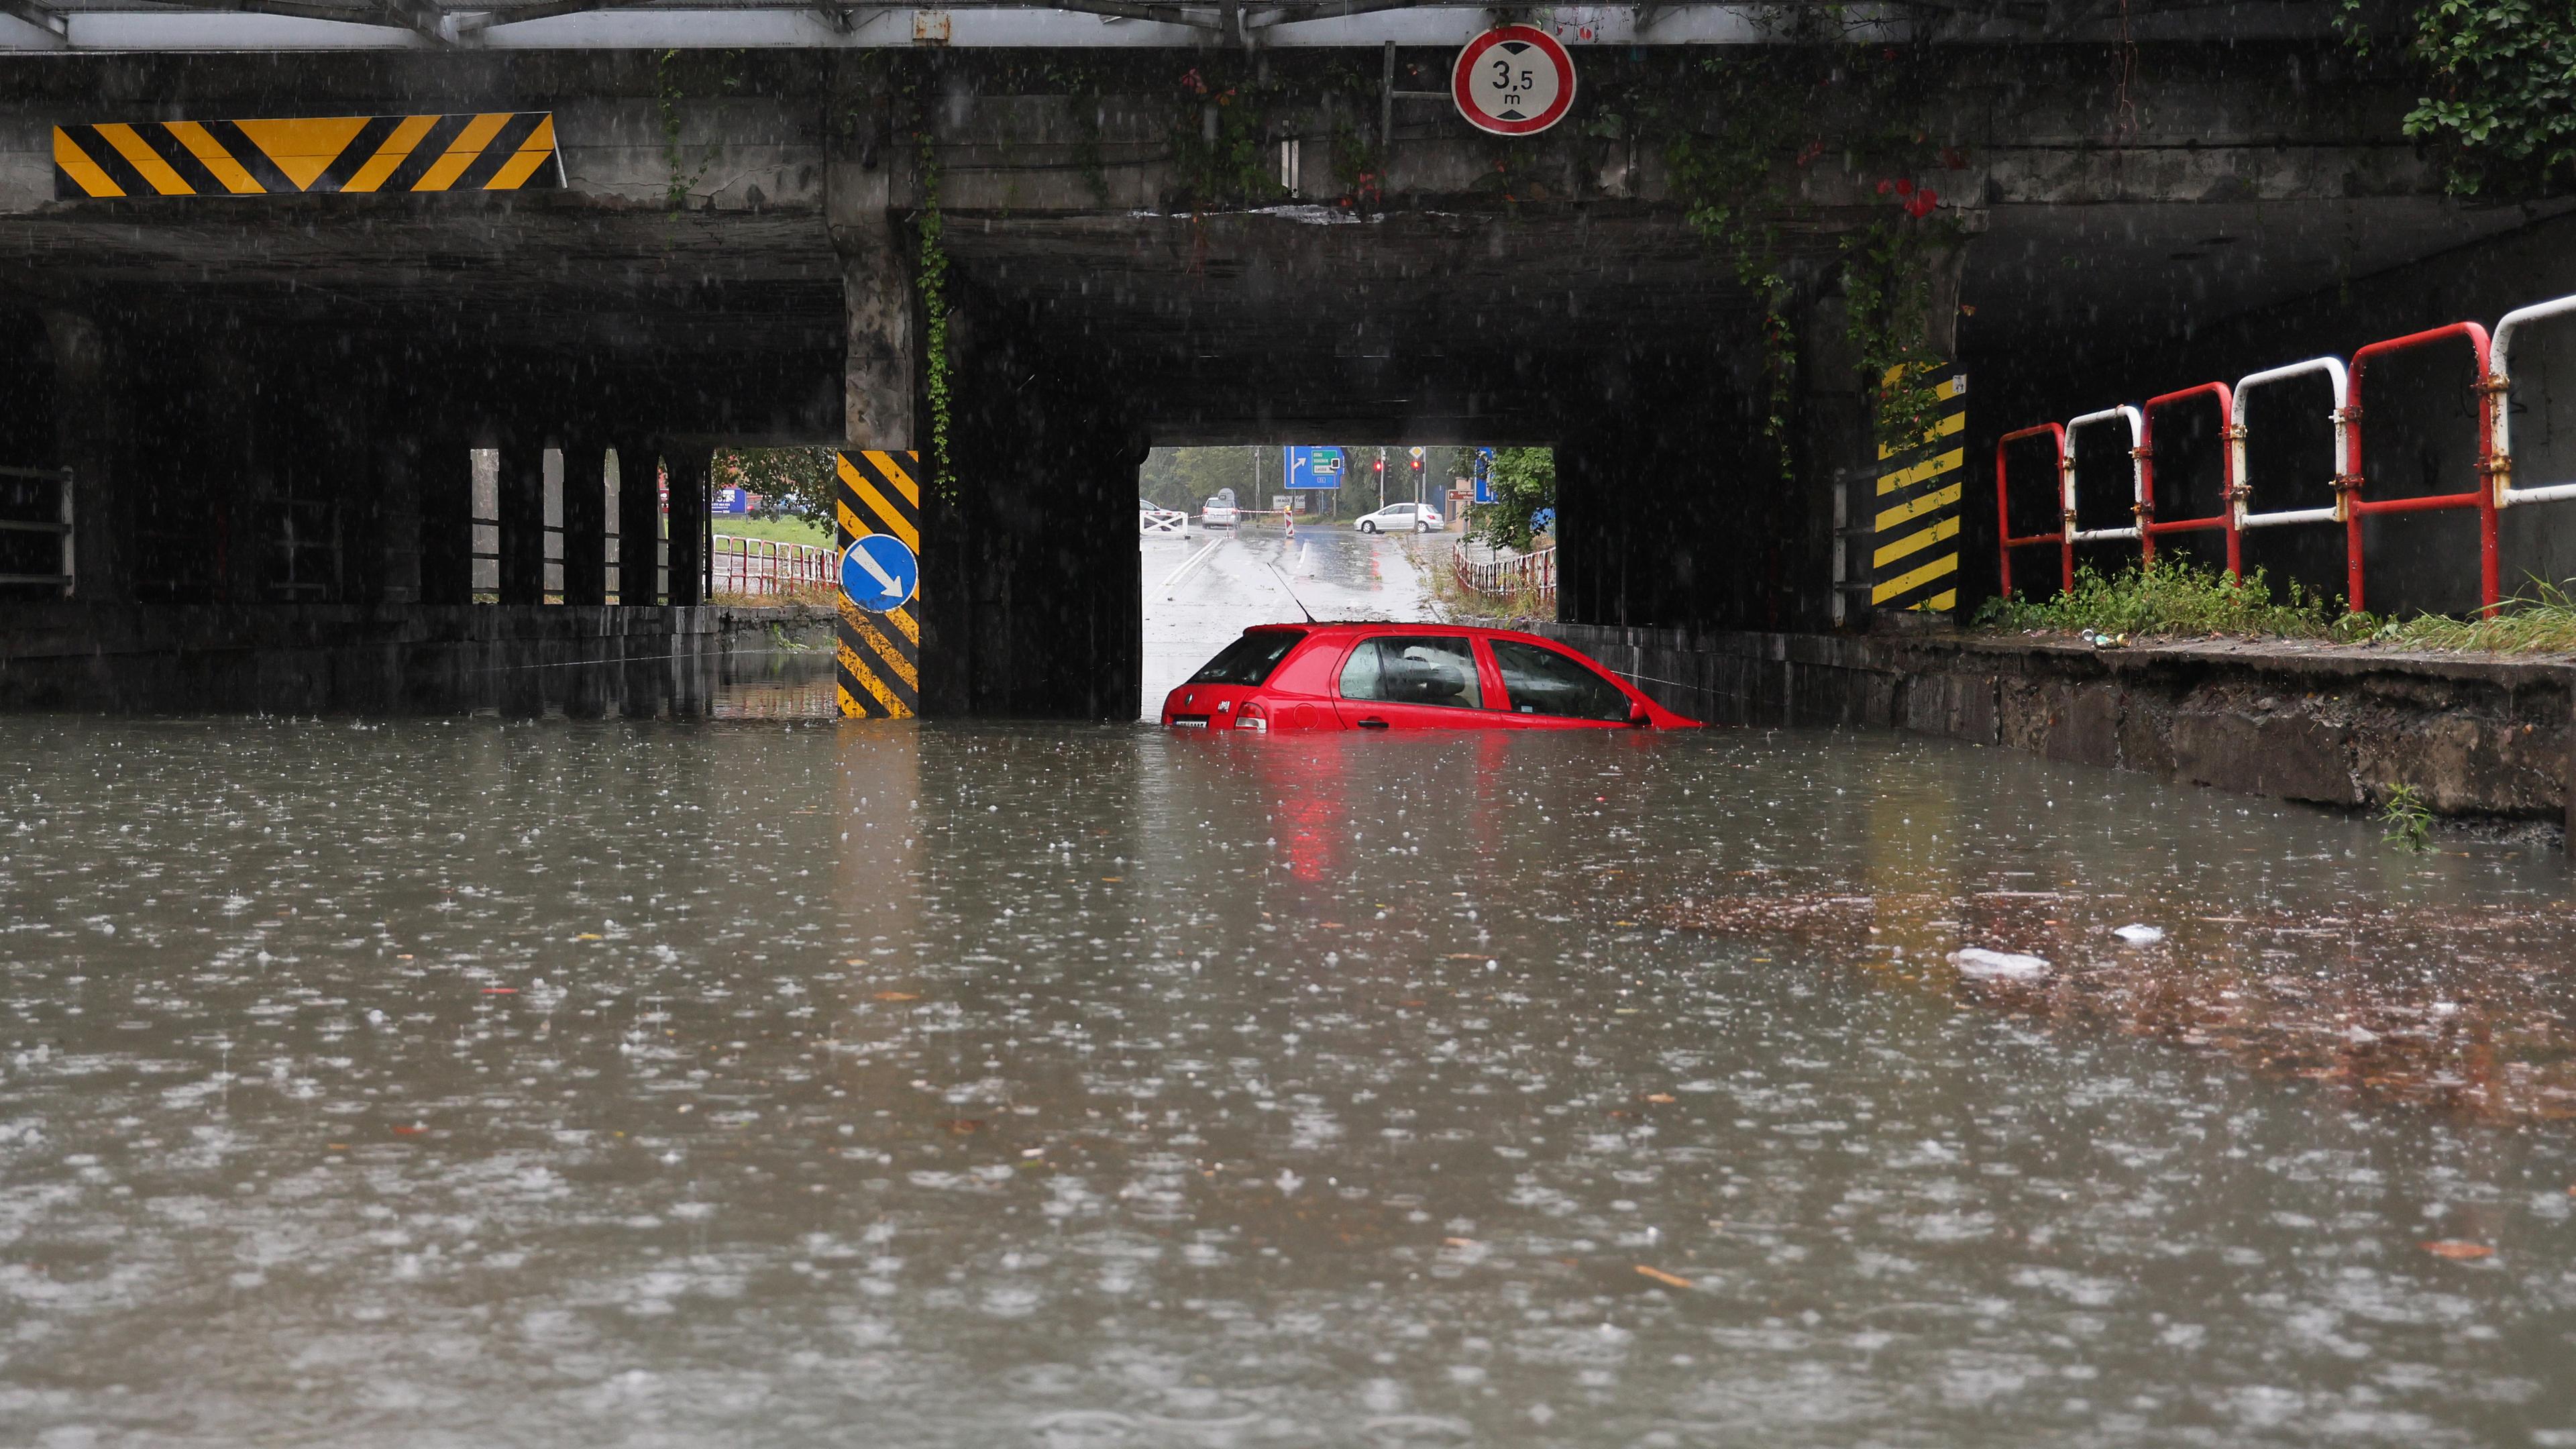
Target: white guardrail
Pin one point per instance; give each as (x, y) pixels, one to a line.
(762, 567)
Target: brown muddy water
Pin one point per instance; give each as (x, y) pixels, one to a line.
(762, 1082)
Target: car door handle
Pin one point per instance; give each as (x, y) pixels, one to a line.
(1372, 724)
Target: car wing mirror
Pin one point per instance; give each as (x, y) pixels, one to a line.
(1638, 718)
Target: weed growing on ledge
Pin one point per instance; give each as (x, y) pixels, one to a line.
(2173, 599)
(2542, 623)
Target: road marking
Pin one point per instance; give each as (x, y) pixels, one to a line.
(1193, 561)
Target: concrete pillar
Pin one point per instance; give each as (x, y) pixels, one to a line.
(89, 413)
(445, 469)
(688, 467)
(880, 368)
(1838, 452)
(523, 522)
(585, 524)
(639, 522)
(389, 553)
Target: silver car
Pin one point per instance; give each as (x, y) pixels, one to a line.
(1401, 518)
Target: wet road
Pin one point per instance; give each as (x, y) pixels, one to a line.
(1261, 577)
(567, 1083)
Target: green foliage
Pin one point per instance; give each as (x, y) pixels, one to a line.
(1772, 105)
(789, 480)
(1221, 145)
(931, 277)
(2408, 818)
(2544, 622)
(1524, 481)
(2500, 87)
(2170, 599)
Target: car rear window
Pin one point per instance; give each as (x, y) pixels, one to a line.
(1542, 681)
(1249, 660)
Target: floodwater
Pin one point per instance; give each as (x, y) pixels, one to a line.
(766, 1080)
(557, 1083)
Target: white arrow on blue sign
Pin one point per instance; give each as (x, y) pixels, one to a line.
(879, 574)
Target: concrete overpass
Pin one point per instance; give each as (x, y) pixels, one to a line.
(268, 393)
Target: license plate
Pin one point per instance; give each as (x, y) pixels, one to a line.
(1189, 724)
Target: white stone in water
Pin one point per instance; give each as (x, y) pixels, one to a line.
(2140, 935)
(1978, 961)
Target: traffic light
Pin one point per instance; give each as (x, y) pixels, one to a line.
(1381, 462)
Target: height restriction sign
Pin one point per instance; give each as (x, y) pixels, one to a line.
(1513, 81)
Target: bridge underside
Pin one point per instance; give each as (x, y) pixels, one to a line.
(270, 401)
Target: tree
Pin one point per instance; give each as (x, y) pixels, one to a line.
(788, 480)
(1524, 481)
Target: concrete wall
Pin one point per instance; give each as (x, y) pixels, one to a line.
(329, 659)
(2485, 739)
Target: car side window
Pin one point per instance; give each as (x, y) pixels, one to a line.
(1542, 681)
(1400, 669)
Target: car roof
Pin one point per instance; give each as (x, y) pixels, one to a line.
(1348, 629)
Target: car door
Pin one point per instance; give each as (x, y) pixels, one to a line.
(1405, 680)
(1543, 689)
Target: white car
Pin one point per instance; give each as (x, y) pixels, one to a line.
(1216, 513)
(1401, 517)
(1151, 519)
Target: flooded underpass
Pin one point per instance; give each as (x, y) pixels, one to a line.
(571, 1082)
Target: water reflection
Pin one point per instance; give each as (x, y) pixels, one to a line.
(613, 1082)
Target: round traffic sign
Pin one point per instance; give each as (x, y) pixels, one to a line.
(879, 573)
(1514, 80)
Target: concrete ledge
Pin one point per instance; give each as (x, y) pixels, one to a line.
(2482, 738)
(283, 658)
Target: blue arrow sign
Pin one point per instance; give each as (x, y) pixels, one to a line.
(878, 573)
(1311, 467)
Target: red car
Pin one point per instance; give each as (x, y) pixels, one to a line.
(1406, 677)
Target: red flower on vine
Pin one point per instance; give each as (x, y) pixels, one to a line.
(1922, 202)
(1905, 186)
(1190, 82)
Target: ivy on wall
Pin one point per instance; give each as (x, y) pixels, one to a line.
(2499, 88)
(930, 275)
(1774, 113)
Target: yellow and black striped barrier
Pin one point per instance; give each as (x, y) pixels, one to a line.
(309, 155)
(1914, 538)
(877, 523)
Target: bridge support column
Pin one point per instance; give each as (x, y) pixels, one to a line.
(639, 522)
(90, 435)
(1032, 603)
(585, 524)
(446, 467)
(689, 467)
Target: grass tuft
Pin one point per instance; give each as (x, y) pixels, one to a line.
(2542, 622)
(2164, 599)
(2170, 600)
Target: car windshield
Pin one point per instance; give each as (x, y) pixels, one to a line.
(1542, 681)
(1250, 659)
(1402, 670)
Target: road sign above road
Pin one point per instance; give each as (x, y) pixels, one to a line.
(1515, 80)
(879, 573)
(1312, 467)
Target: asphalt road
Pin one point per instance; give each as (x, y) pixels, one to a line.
(1261, 577)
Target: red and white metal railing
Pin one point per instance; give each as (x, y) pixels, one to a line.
(1530, 575)
(2491, 363)
(764, 566)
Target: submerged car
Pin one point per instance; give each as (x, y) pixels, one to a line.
(1406, 677)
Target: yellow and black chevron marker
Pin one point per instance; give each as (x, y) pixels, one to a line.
(1914, 540)
(309, 155)
(877, 523)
